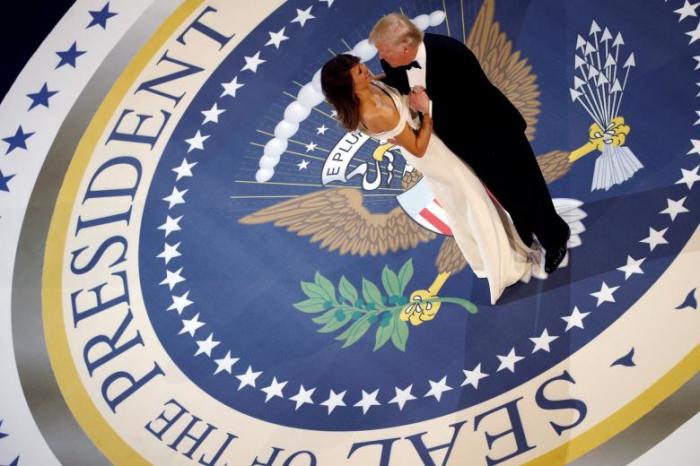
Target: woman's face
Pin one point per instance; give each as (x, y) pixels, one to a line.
(360, 75)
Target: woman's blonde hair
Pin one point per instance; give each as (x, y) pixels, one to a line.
(395, 29)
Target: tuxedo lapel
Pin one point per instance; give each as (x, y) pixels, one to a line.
(402, 81)
(429, 62)
(396, 78)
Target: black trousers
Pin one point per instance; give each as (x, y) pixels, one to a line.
(517, 182)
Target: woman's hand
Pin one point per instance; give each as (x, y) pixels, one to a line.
(419, 100)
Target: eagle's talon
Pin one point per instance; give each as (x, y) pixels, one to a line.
(421, 307)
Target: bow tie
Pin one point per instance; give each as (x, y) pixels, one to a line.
(413, 64)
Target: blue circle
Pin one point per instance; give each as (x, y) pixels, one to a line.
(244, 279)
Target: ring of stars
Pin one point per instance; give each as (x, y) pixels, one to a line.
(507, 362)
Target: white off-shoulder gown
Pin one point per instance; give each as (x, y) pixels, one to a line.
(482, 229)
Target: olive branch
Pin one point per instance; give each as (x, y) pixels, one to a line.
(344, 308)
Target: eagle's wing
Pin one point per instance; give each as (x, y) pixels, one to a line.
(337, 219)
(450, 258)
(504, 68)
(554, 164)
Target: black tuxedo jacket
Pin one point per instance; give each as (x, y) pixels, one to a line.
(470, 114)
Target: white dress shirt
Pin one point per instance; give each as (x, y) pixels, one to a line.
(416, 76)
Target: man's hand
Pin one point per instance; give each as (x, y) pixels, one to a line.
(419, 100)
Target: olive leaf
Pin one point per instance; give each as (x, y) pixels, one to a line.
(371, 293)
(326, 286)
(405, 275)
(347, 290)
(390, 282)
(311, 305)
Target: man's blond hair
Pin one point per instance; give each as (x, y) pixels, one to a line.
(395, 29)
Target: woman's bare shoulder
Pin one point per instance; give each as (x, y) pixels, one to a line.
(380, 121)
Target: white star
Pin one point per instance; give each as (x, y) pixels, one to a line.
(689, 177)
(230, 88)
(575, 319)
(334, 113)
(472, 377)
(180, 303)
(368, 400)
(190, 326)
(225, 363)
(330, 2)
(674, 208)
(695, 142)
(321, 129)
(697, 58)
(438, 388)
(274, 389)
(252, 63)
(688, 9)
(605, 295)
(508, 361)
(172, 278)
(303, 16)
(175, 198)
(212, 114)
(694, 34)
(655, 238)
(276, 38)
(185, 169)
(303, 397)
(170, 225)
(633, 266)
(303, 165)
(542, 342)
(169, 252)
(402, 396)
(311, 146)
(334, 400)
(196, 141)
(205, 346)
(698, 84)
(248, 378)
(697, 122)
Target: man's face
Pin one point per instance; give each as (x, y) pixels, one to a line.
(396, 54)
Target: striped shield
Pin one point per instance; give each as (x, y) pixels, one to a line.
(420, 204)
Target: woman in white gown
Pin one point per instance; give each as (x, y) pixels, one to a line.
(482, 229)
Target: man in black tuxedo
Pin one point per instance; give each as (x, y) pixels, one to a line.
(476, 121)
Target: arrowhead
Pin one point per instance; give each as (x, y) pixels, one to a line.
(578, 82)
(610, 62)
(590, 48)
(594, 28)
(579, 62)
(630, 61)
(592, 72)
(602, 79)
(580, 42)
(606, 35)
(618, 40)
(616, 87)
(575, 95)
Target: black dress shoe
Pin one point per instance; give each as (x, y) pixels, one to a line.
(554, 258)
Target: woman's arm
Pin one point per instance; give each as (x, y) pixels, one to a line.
(416, 142)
